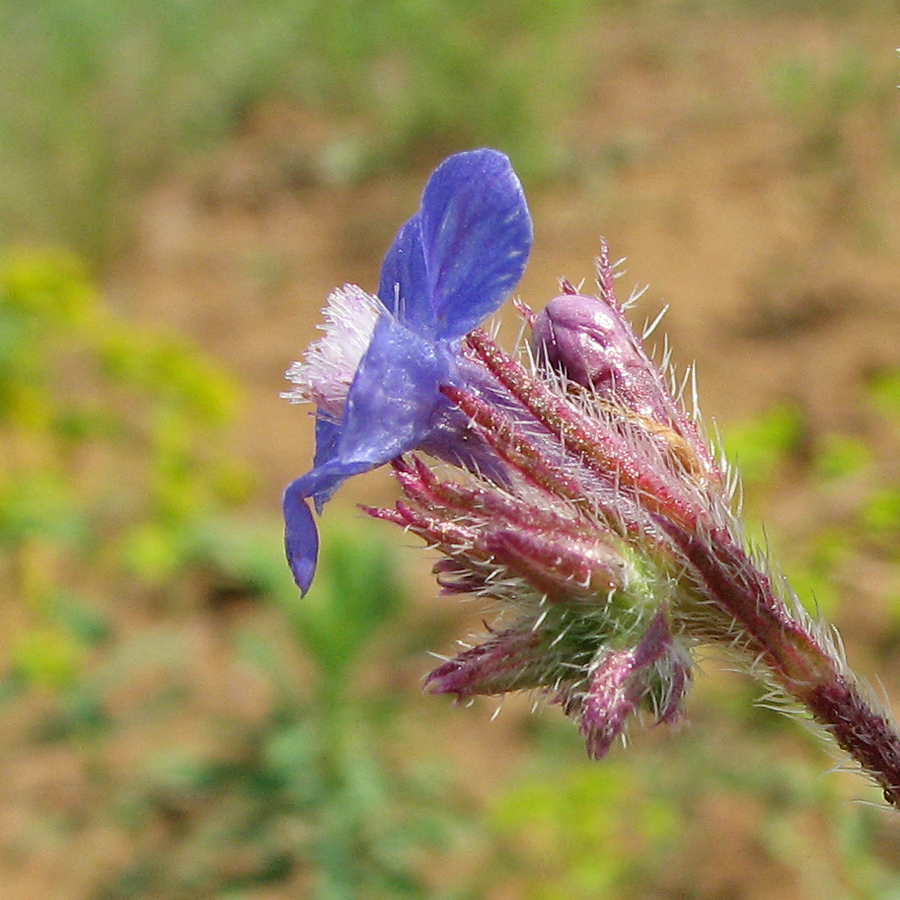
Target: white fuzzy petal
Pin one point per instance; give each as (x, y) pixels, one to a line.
(324, 375)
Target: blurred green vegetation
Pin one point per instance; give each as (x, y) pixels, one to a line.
(100, 97)
(108, 462)
(642, 824)
(850, 486)
(315, 794)
(843, 116)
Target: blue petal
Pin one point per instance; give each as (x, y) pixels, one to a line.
(388, 411)
(457, 259)
(393, 395)
(328, 435)
(388, 408)
(451, 265)
(301, 540)
(405, 289)
(477, 234)
(322, 481)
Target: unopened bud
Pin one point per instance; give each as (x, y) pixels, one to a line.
(590, 342)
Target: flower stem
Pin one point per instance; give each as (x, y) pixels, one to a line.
(807, 667)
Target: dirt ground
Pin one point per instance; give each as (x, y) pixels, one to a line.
(781, 270)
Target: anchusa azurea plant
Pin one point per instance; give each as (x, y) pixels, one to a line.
(567, 483)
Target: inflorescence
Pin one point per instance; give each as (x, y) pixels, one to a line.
(567, 484)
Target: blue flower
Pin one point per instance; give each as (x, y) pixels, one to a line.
(450, 266)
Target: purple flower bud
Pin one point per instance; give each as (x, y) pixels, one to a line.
(588, 341)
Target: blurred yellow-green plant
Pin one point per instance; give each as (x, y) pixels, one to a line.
(842, 112)
(664, 822)
(110, 459)
(317, 795)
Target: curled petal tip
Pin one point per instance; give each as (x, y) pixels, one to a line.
(301, 538)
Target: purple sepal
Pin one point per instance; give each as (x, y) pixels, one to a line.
(624, 678)
(610, 699)
(508, 661)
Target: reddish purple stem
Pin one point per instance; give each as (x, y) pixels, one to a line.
(808, 671)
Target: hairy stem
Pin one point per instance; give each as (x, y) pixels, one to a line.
(807, 668)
